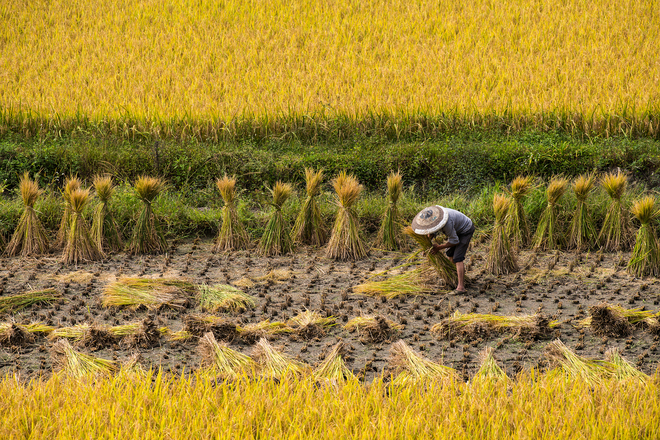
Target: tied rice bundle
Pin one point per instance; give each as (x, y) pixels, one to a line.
(389, 232)
(309, 228)
(30, 237)
(345, 241)
(232, 235)
(547, 233)
(501, 255)
(147, 237)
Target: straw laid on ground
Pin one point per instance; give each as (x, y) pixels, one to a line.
(592, 371)
(14, 303)
(582, 234)
(71, 184)
(251, 333)
(489, 370)
(310, 324)
(29, 237)
(223, 361)
(475, 324)
(79, 244)
(501, 255)
(616, 233)
(333, 368)
(152, 293)
(438, 261)
(232, 235)
(198, 325)
(373, 329)
(78, 364)
(274, 364)
(224, 297)
(143, 334)
(517, 227)
(622, 368)
(645, 257)
(345, 242)
(276, 239)
(547, 232)
(309, 227)
(616, 321)
(411, 367)
(419, 281)
(147, 237)
(389, 234)
(14, 335)
(105, 231)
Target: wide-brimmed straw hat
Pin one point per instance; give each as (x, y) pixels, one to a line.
(429, 220)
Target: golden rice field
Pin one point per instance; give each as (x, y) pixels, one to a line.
(545, 407)
(173, 67)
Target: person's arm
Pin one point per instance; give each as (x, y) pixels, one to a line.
(452, 238)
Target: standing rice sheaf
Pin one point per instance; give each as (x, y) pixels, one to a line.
(232, 235)
(71, 184)
(616, 234)
(517, 226)
(276, 239)
(309, 228)
(389, 234)
(501, 255)
(29, 237)
(105, 231)
(147, 236)
(645, 257)
(582, 234)
(79, 244)
(345, 242)
(547, 235)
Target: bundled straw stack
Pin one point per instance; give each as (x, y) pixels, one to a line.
(70, 185)
(517, 227)
(345, 242)
(389, 232)
(616, 233)
(501, 256)
(438, 261)
(645, 258)
(232, 235)
(276, 239)
(547, 231)
(30, 237)
(309, 228)
(582, 232)
(79, 245)
(105, 231)
(147, 236)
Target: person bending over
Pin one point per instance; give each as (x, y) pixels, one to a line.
(456, 226)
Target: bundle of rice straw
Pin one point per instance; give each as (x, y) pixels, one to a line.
(622, 368)
(79, 245)
(13, 335)
(438, 261)
(489, 370)
(345, 241)
(591, 371)
(223, 361)
(105, 231)
(251, 333)
(547, 232)
(232, 235)
(78, 364)
(616, 321)
(71, 184)
(333, 368)
(152, 293)
(276, 239)
(309, 324)
(224, 297)
(476, 324)
(30, 237)
(645, 257)
(389, 235)
(14, 303)
(412, 367)
(274, 364)
(501, 255)
(198, 325)
(517, 227)
(143, 334)
(309, 227)
(3, 243)
(147, 237)
(616, 233)
(419, 281)
(373, 329)
(582, 232)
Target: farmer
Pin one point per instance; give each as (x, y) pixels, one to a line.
(456, 226)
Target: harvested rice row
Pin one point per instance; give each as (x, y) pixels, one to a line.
(474, 324)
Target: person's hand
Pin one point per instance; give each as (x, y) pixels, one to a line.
(435, 249)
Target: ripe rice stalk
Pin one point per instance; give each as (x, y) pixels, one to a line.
(645, 257)
(38, 327)
(223, 361)
(180, 336)
(14, 303)
(199, 325)
(75, 332)
(147, 237)
(333, 369)
(501, 255)
(591, 371)
(251, 333)
(582, 233)
(389, 234)
(373, 329)
(79, 245)
(345, 242)
(276, 239)
(614, 320)
(143, 334)
(616, 233)
(438, 261)
(77, 364)
(14, 335)
(232, 235)
(419, 281)
(275, 275)
(309, 228)
(105, 231)
(274, 364)
(71, 184)
(517, 227)
(152, 293)
(622, 368)
(547, 235)
(224, 297)
(489, 370)
(413, 368)
(472, 324)
(29, 237)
